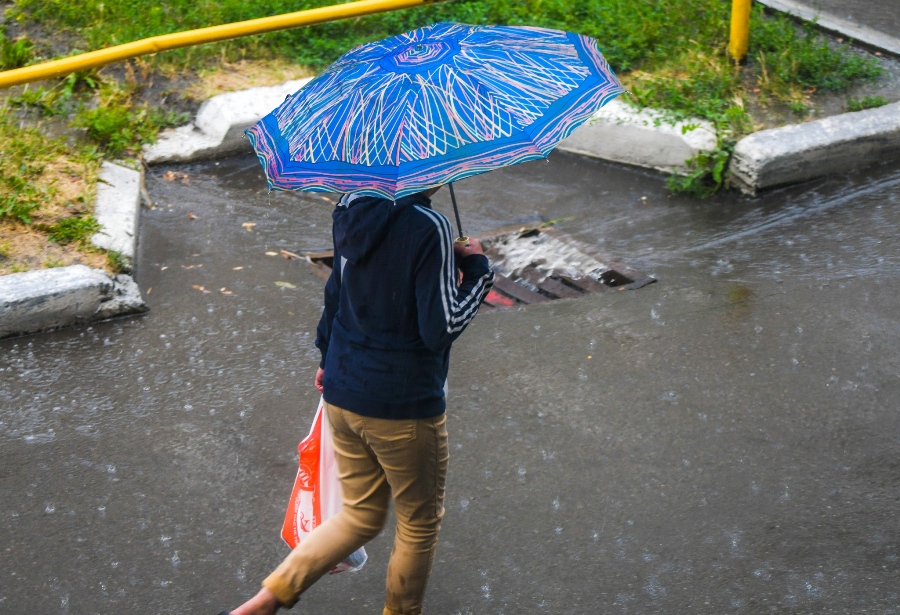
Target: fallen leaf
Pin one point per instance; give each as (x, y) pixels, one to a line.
(225, 291)
(176, 176)
(271, 253)
(192, 217)
(249, 225)
(285, 284)
(149, 290)
(164, 268)
(200, 288)
(192, 266)
(237, 268)
(289, 255)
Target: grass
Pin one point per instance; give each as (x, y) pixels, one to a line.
(118, 123)
(785, 64)
(866, 102)
(14, 54)
(46, 193)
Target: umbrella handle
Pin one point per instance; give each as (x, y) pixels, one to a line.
(456, 212)
(463, 240)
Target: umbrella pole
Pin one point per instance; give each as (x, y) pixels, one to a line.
(461, 237)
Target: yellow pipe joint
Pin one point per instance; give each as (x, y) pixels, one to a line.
(739, 42)
(213, 34)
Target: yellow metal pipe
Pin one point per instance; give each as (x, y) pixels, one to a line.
(740, 29)
(213, 34)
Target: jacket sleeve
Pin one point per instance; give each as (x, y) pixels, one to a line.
(332, 300)
(446, 307)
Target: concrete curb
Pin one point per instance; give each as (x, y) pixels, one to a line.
(117, 209)
(218, 129)
(643, 138)
(48, 299)
(833, 23)
(52, 298)
(801, 152)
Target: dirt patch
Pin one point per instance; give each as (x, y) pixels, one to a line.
(69, 187)
(231, 77)
(23, 249)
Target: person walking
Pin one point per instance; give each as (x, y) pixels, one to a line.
(394, 304)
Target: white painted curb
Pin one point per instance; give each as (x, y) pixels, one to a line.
(51, 298)
(218, 129)
(801, 152)
(117, 209)
(645, 138)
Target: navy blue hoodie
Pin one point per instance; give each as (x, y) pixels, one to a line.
(393, 306)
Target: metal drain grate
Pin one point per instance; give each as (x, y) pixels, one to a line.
(535, 264)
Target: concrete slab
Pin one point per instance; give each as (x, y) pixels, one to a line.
(645, 138)
(218, 129)
(52, 298)
(117, 209)
(801, 152)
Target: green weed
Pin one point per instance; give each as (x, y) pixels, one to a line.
(5, 250)
(706, 172)
(61, 98)
(118, 124)
(866, 102)
(23, 157)
(792, 61)
(116, 261)
(14, 54)
(73, 229)
(50, 263)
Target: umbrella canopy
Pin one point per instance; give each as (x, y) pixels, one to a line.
(433, 106)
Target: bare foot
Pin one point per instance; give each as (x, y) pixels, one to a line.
(263, 603)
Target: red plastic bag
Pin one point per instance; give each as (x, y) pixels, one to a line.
(317, 490)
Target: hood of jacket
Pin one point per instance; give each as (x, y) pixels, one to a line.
(361, 222)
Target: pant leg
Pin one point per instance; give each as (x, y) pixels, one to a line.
(366, 496)
(414, 456)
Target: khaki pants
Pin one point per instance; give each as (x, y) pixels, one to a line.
(378, 459)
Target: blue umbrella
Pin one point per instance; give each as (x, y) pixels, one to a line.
(432, 106)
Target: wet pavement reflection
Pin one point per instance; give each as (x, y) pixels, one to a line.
(723, 440)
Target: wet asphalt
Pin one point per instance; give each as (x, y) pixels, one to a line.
(722, 441)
